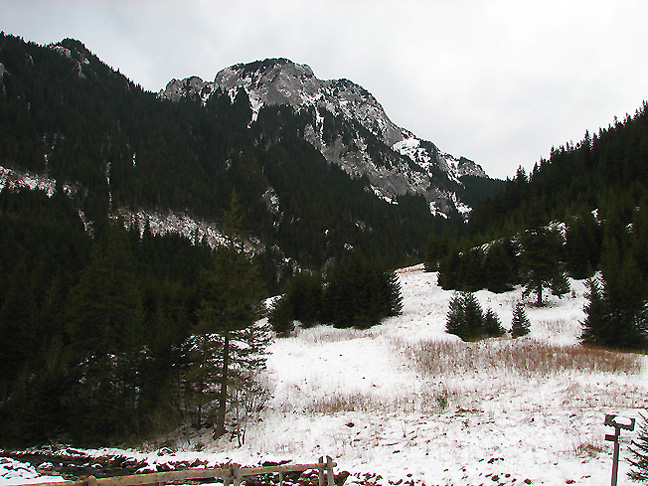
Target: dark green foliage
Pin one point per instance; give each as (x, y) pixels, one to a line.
(230, 292)
(102, 304)
(583, 246)
(456, 321)
(639, 453)
(479, 188)
(493, 266)
(466, 320)
(97, 326)
(447, 278)
(500, 267)
(280, 316)
(492, 324)
(463, 270)
(43, 248)
(360, 294)
(560, 285)
(595, 327)
(540, 263)
(520, 325)
(356, 293)
(302, 301)
(438, 247)
(614, 320)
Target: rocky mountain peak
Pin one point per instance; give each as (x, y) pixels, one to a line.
(395, 161)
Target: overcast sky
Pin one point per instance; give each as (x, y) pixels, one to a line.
(497, 81)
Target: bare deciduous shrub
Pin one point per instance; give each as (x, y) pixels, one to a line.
(588, 450)
(246, 406)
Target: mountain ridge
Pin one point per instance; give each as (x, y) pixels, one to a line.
(71, 120)
(399, 162)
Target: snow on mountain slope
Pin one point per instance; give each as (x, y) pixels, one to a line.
(158, 223)
(406, 402)
(395, 161)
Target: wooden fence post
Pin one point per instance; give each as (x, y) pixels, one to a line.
(236, 472)
(320, 470)
(329, 471)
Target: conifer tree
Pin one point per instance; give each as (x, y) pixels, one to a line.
(437, 248)
(560, 285)
(492, 324)
(595, 327)
(639, 451)
(231, 292)
(520, 325)
(454, 319)
(499, 269)
(540, 261)
(465, 317)
(447, 278)
(624, 294)
(582, 246)
(359, 293)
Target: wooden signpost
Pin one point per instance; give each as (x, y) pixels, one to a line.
(618, 424)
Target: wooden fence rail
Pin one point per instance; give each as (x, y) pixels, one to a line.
(230, 474)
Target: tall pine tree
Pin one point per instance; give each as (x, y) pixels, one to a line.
(231, 293)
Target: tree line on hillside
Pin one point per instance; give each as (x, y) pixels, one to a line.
(114, 336)
(105, 337)
(583, 213)
(540, 259)
(74, 119)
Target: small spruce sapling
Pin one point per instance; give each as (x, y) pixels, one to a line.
(520, 325)
(492, 324)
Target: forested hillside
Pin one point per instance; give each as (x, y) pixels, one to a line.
(582, 211)
(106, 331)
(607, 171)
(68, 116)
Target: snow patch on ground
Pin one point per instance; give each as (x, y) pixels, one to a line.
(409, 402)
(16, 472)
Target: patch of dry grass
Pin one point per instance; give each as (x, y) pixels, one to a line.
(433, 400)
(526, 358)
(328, 334)
(516, 374)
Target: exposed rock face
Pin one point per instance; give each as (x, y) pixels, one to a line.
(363, 141)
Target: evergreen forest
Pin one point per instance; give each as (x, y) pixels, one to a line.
(583, 213)
(112, 335)
(66, 115)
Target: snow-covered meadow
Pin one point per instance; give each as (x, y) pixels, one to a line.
(404, 401)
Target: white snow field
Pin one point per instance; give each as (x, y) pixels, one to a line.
(406, 402)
